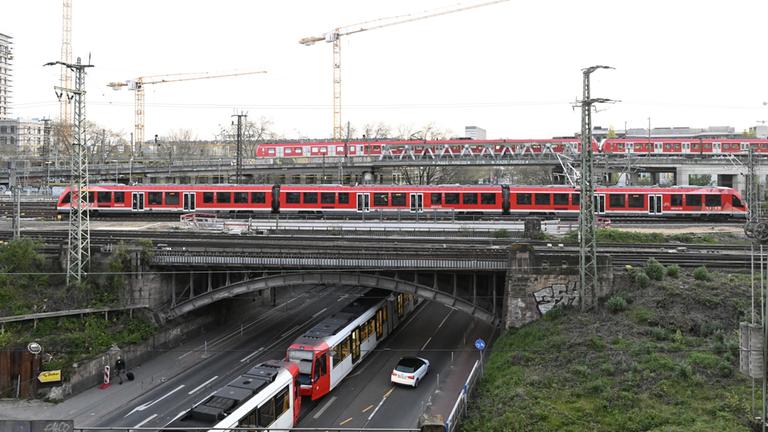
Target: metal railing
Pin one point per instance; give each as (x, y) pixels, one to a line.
(460, 407)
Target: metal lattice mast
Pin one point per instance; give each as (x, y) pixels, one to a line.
(79, 242)
(65, 80)
(239, 157)
(337, 132)
(587, 240)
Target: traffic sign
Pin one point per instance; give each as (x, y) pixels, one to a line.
(49, 376)
(34, 348)
(480, 344)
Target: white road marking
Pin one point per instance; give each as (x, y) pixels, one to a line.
(202, 385)
(149, 404)
(446, 318)
(315, 315)
(249, 356)
(386, 395)
(293, 329)
(325, 407)
(146, 420)
(177, 416)
(203, 399)
(426, 343)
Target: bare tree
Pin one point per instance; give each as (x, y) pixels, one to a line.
(377, 131)
(253, 132)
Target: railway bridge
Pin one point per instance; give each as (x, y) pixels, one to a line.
(508, 285)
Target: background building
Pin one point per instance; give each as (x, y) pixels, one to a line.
(6, 56)
(474, 132)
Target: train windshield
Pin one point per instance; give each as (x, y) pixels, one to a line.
(736, 202)
(304, 360)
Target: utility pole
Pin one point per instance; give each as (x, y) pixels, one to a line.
(46, 183)
(13, 182)
(587, 240)
(79, 242)
(239, 158)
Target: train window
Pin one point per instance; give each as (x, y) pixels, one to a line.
(241, 197)
(675, 200)
(560, 199)
(398, 199)
(91, 197)
(171, 198)
(364, 331)
(223, 197)
(119, 197)
(451, 198)
(292, 197)
(524, 198)
(208, 197)
(258, 197)
(736, 202)
(542, 198)
(310, 197)
(713, 200)
(104, 197)
(381, 199)
(636, 201)
(437, 199)
(155, 198)
(371, 326)
(267, 413)
(469, 198)
(66, 198)
(693, 200)
(617, 200)
(327, 198)
(345, 348)
(575, 199)
(343, 197)
(488, 198)
(282, 401)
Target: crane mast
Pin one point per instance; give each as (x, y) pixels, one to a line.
(65, 79)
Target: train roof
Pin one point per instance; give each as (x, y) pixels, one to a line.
(338, 321)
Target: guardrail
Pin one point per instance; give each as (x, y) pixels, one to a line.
(460, 407)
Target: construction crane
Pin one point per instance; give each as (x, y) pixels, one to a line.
(65, 80)
(335, 35)
(137, 85)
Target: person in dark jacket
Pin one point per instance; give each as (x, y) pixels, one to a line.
(120, 368)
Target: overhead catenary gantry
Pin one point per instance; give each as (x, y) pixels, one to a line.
(137, 85)
(334, 36)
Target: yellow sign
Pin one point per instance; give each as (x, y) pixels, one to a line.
(49, 376)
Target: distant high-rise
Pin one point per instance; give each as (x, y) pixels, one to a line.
(474, 132)
(6, 57)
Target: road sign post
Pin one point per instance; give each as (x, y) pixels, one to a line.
(480, 345)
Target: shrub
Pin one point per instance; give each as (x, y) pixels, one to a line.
(654, 269)
(702, 274)
(673, 271)
(642, 280)
(501, 233)
(616, 304)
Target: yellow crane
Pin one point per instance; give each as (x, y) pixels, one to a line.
(335, 35)
(137, 85)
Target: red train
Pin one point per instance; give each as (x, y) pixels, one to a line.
(691, 202)
(519, 147)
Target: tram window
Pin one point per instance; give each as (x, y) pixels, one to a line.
(345, 348)
(575, 199)
(451, 198)
(327, 198)
(636, 201)
(92, 199)
(713, 200)
(223, 197)
(66, 198)
(292, 197)
(343, 197)
(676, 200)
(381, 199)
(736, 202)
(693, 200)
(371, 326)
(241, 197)
(542, 198)
(310, 197)
(282, 401)
(119, 197)
(155, 198)
(104, 197)
(437, 199)
(398, 199)
(560, 199)
(488, 198)
(208, 197)
(364, 331)
(524, 198)
(171, 198)
(617, 200)
(469, 198)
(258, 197)
(267, 413)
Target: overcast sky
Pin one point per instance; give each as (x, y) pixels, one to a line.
(512, 68)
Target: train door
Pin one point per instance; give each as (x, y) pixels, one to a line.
(686, 147)
(654, 204)
(137, 201)
(630, 147)
(715, 147)
(321, 377)
(189, 201)
(363, 202)
(417, 202)
(381, 319)
(658, 147)
(355, 345)
(600, 204)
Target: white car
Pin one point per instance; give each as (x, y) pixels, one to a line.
(410, 371)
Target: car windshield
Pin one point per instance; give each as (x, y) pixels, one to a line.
(408, 365)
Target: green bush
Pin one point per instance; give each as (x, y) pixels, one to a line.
(501, 233)
(616, 304)
(654, 269)
(642, 280)
(673, 271)
(702, 274)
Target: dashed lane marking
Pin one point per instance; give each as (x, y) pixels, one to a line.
(202, 385)
(426, 343)
(345, 421)
(324, 407)
(146, 420)
(368, 408)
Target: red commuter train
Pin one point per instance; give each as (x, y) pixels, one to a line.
(680, 202)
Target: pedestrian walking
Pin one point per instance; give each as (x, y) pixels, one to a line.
(120, 368)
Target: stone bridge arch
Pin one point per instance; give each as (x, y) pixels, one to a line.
(364, 280)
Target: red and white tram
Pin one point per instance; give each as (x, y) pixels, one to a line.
(266, 396)
(680, 202)
(330, 350)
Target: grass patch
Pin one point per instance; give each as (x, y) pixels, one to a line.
(612, 235)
